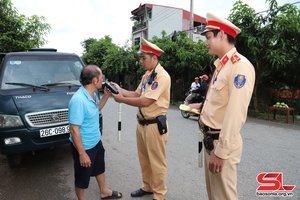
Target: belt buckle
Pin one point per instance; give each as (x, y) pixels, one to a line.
(206, 128)
(142, 122)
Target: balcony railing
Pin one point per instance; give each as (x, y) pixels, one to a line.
(139, 26)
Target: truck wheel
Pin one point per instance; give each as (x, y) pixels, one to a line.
(185, 114)
(14, 160)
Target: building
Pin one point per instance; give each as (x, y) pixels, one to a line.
(150, 20)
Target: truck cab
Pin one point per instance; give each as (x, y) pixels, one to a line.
(35, 89)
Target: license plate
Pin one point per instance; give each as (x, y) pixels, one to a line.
(47, 132)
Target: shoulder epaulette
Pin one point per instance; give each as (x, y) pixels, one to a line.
(235, 58)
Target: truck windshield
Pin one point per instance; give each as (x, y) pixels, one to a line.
(23, 70)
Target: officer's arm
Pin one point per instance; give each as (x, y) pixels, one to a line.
(127, 93)
(236, 112)
(135, 101)
(195, 106)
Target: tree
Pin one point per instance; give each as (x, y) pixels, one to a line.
(270, 41)
(18, 32)
(183, 59)
(117, 63)
(95, 50)
(123, 61)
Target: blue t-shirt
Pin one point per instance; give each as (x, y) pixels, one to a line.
(84, 112)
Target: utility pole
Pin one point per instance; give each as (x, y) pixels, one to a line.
(191, 20)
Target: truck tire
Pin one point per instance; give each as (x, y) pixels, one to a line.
(14, 160)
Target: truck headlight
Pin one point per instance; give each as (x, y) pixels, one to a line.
(10, 121)
(13, 140)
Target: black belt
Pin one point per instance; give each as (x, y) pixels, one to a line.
(213, 136)
(207, 128)
(146, 121)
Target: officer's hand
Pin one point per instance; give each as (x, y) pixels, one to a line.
(215, 164)
(195, 106)
(118, 97)
(116, 85)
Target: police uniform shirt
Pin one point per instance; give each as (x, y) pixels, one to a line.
(227, 100)
(159, 90)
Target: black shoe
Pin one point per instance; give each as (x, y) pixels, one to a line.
(140, 193)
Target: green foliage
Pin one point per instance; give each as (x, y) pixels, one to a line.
(271, 42)
(112, 59)
(95, 50)
(183, 58)
(18, 32)
(121, 60)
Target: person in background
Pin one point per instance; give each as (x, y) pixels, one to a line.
(85, 137)
(194, 86)
(224, 111)
(201, 91)
(152, 97)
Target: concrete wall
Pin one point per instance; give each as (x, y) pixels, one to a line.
(164, 18)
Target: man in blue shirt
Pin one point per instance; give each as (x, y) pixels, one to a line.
(85, 137)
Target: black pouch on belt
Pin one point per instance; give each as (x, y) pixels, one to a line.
(162, 124)
(208, 142)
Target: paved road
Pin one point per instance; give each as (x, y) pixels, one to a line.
(48, 175)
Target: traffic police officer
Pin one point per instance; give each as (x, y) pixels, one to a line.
(152, 97)
(224, 111)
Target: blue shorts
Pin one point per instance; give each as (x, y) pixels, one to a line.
(83, 174)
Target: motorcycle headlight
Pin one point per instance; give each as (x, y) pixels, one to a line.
(10, 121)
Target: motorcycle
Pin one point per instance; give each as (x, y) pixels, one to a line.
(186, 112)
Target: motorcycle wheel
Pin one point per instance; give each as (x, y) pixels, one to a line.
(185, 114)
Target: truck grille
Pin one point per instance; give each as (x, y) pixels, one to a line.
(47, 118)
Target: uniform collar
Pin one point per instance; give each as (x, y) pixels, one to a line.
(157, 68)
(227, 56)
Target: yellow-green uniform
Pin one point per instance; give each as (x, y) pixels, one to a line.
(225, 108)
(151, 145)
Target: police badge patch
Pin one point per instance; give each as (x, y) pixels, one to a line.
(154, 85)
(239, 81)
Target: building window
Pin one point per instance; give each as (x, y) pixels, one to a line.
(149, 15)
(137, 41)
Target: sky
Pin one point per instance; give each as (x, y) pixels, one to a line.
(73, 21)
